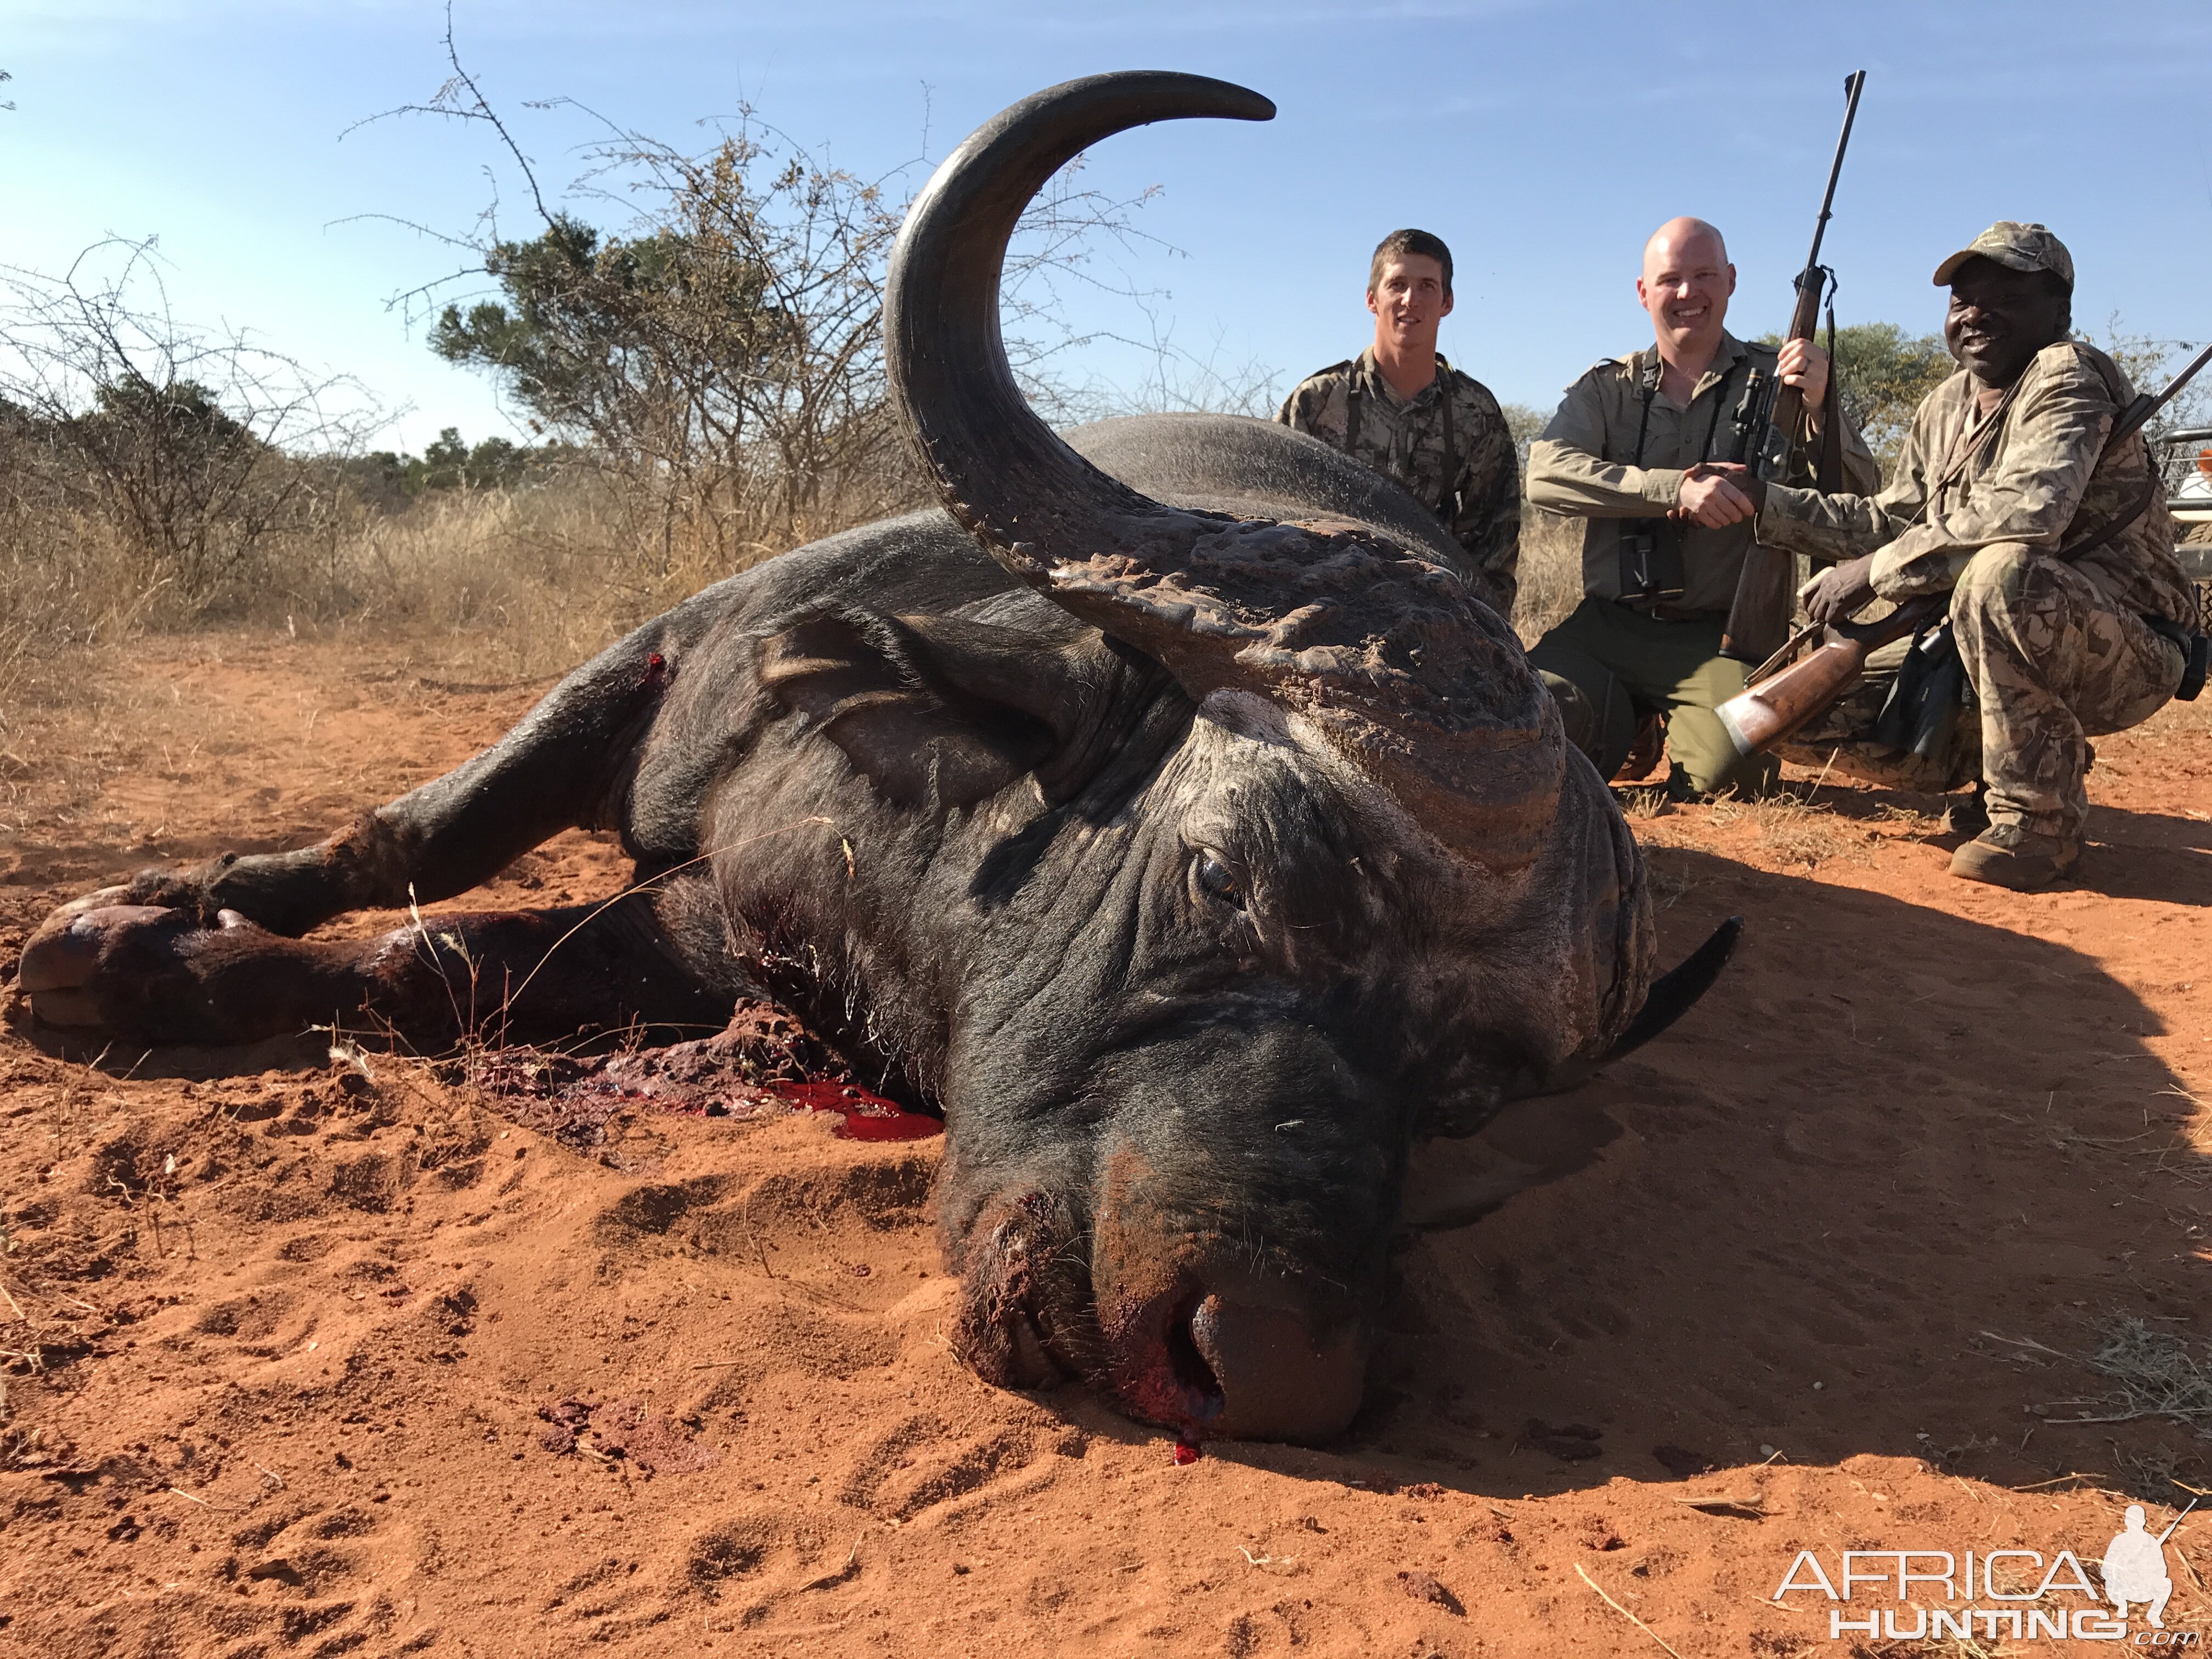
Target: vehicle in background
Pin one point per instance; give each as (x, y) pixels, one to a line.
(2187, 458)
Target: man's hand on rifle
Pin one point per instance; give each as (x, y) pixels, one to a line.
(1805, 366)
(1714, 494)
(1838, 592)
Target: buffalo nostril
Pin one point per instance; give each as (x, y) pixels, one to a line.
(1033, 1365)
(1193, 1374)
(1024, 1304)
(1277, 1380)
(1158, 1367)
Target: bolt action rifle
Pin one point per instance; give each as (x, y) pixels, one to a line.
(1789, 691)
(1758, 619)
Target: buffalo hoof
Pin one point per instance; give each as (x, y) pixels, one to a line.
(99, 966)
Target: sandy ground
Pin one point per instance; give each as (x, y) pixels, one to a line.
(286, 1352)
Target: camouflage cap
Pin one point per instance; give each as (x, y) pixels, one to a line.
(2020, 246)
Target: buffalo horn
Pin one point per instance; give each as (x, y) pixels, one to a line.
(1412, 678)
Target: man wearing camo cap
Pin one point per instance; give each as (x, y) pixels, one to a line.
(2071, 614)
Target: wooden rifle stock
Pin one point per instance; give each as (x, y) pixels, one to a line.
(1766, 592)
(1776, 707)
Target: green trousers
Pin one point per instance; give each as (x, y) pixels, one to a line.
(1608, 666)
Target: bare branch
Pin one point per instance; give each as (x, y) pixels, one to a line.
(720, 349)
(448, 101)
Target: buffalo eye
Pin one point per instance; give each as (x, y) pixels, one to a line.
(1216, 880)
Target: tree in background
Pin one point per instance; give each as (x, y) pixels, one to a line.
(1881, 374)
(187, 443)
(1526, 424)
(725, 358)
(721, 354)
(451, 462)
(2149, 363)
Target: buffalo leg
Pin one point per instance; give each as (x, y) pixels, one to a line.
(148, 975)
(560, 768)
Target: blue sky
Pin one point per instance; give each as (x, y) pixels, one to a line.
(1543, 141)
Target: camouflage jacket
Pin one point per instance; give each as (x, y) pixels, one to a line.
(2034, 472)
(1475, 490)
(1589, 465)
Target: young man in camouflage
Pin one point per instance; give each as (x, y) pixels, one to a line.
(2071, 614)
(1665, 537)
(1405, 411)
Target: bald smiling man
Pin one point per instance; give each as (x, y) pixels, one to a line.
(1664, 536)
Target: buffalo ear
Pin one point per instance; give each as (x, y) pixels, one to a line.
(941, 711)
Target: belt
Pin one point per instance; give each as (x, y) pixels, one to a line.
(1659, 610)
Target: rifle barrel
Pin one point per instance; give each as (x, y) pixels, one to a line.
(1854, 84)
(2137, 415)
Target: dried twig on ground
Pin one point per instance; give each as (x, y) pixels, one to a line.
(1622, 1611)
(830, 1580)
(1754, 1504)
(2156, 1373)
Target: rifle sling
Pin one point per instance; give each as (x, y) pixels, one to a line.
(1828, 474)
(2073, 549)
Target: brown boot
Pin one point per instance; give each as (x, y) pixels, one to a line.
(2006, 855)
(1644, 753)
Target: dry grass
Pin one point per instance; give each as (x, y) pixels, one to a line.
(524, 583)
(2154, 1373)
(527, 582)
(537, 581)
(67, 583)
(1669, 878)
(1794, 828)
(1551, 571)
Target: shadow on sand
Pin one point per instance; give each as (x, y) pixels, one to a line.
(1891, 1144)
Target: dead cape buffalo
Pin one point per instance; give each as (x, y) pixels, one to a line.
(1210, 848)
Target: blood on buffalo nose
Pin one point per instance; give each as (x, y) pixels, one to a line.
(1223, 1365)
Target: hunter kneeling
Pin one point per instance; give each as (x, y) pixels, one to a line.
(1665, 535)
(2068, 614)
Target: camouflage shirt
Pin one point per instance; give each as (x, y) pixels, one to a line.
(1475, 489)
(1590, 464)
(2034, 472)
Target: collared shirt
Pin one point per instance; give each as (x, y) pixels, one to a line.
(1586, 465)
(1475, 489)
(2033, 471)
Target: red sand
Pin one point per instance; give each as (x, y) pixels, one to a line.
(337, 1359)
